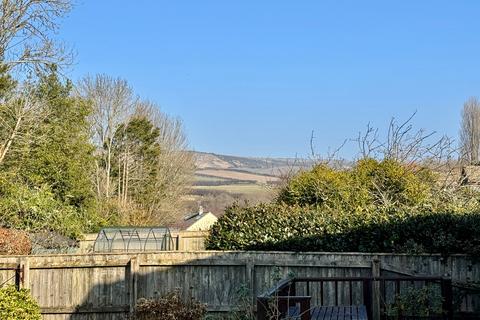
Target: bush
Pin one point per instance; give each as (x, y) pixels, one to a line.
(372, 207)
(171, 306)
(14, 242)
(369, 186)
(37, 209)
(283, 228)
(18, 305)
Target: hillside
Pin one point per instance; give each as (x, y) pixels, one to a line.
(266, 166)
(222, 179)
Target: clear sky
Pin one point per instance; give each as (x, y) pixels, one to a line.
(254, 78)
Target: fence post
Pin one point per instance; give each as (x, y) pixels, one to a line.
(367, 296)
(376, 301)
(22, 274)
(132, 278)
(181, 242)
(250, 279)
(447, 307)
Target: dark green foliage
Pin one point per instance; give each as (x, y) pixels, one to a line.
(136, 151)
(274, 227)
(63, 159)
(18, 305)
(45, 184)
(374, 207)
(416, 302)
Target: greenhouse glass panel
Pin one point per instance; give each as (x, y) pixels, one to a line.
(131, 239)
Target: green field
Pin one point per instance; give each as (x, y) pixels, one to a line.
(236, 188)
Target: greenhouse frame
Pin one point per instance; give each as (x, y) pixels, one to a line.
(134, 239)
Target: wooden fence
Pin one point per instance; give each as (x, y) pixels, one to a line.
(106, 286)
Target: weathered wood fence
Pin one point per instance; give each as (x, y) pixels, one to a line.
(106, 286)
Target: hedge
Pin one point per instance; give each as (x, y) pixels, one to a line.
(375, 206)
(18, 305)
(284, 228)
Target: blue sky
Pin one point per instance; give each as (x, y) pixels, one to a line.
(255, 78)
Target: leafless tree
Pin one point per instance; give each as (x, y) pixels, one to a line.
(470, 132)
(416, 148)
(175, 165)
(121, 168)
(20, 113)
(113, 102)
(404, 143)
(26, 33)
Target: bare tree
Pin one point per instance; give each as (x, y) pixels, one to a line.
(113, 103)
(26, 29)
(146, 190)
(175, 165)
(416, 148)
(470, 132)
(405, 144)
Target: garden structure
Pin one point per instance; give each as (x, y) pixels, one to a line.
(131, 239)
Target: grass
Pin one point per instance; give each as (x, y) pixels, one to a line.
(201, 178)
(237, 175)
(235, 188)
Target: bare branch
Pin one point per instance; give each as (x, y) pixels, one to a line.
(26, 33)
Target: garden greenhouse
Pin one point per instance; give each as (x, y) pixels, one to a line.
(134, 239)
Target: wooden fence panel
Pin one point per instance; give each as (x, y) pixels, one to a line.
(106, 286)
(214, 285)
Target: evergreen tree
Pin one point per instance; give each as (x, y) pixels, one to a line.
(46, 184)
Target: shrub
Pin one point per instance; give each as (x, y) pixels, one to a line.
(18, 305)
(265, 225)
(283, 228)
(172, 306)
(372, 207)
(14, 242)
(37, 209)
(369, 186)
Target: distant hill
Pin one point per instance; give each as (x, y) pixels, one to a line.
(274, 167)
(222, 179)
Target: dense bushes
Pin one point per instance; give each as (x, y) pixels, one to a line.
(37, 209)
(372, 187)
(18, 305)
(171, 306)
(373, 207)
(14, 242)
(284, 228)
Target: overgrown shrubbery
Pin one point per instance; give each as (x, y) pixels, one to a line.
(373, 207)
(37, 209)
(18, 305)
(172, 306)
(14, 242)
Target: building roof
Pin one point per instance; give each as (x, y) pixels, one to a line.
(192, 218)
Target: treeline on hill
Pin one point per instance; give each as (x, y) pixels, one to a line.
(76, 157)
(388, 201)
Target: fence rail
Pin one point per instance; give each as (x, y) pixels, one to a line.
(106, 286)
